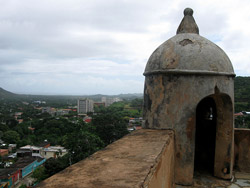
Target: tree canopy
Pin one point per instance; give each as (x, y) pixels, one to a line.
(11, 137)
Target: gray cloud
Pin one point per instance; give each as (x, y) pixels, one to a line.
(55, 46)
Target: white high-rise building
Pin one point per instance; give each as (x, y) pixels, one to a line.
(84, 106)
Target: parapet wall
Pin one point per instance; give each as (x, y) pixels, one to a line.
(242, 150)
(144, 158)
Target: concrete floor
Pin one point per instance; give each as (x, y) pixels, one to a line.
(240, 180)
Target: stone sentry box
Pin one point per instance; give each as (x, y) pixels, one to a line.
(189, 87)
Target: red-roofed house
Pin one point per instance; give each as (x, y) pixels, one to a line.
(88, 120)
(4, 152)
(238, 114)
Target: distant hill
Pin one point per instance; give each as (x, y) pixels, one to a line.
(98, 97)
(6, 94)
(241, 93)
(130, 95)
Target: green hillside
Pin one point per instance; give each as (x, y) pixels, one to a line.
(242, 93)
(241, 89)
(6, 94)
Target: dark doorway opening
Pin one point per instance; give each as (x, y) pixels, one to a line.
(205, 136)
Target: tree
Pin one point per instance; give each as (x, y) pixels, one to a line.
(242, 121)
(11, 137)
(39, 174)
(137, 103)
(81, 143)
(53, 166)
(23, 186)
(11, 122)
(51, 129)
(110, 124)
(4, 127)
(241, 93)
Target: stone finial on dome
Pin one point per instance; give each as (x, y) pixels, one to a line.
(188, 24)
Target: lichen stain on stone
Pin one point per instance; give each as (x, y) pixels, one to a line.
(158, 93)
(170, 59)
(148, 102)
(154, 90)
(185, 42)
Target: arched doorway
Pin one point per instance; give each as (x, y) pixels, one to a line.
(205, 136)
(214, 136)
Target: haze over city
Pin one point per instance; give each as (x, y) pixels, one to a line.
(89, 47)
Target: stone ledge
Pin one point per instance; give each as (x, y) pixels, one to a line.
(133, 161)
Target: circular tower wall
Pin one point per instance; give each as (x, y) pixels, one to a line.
(179, 74)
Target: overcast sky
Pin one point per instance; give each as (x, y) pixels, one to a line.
(102, 46)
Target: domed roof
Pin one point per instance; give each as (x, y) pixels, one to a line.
(189, 53)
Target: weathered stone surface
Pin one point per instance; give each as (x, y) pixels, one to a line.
(189, 53)
(173, 100)
(242, 152)
(143, 158)
(180, 73)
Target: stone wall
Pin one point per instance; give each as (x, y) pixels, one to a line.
(242, 150)
(163, 174)
(144, 158)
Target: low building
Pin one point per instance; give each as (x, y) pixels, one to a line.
(9, 177)
(36, 151)
(6, 181)
(238, 114)
(16, 175)
(62, 112)
(49, 110)
(246, 113)
(28, 164)
(12, 156)
(11, 147)
(87, 119)
(53, 152)
(46, 110)
(4, 152)
(22, 153)
(4, 184)
(20, 121)
(18, 115)
(109, 100)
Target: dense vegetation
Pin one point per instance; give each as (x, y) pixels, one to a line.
(242, 94)
(242, 101)
(80, 138)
